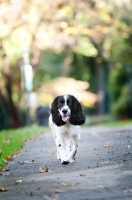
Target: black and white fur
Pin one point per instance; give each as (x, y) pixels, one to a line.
(65, 120)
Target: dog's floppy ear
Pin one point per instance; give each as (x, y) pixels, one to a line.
(77, 115)
(56, 118)
(53, 107)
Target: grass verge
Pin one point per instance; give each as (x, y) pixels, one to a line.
(117, 123)
(106, 120)
(11, 141)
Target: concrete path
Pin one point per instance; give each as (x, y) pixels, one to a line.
(102, 170)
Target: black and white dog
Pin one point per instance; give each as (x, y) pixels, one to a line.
(65, 120)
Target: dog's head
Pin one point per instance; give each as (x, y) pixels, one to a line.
(67, 108)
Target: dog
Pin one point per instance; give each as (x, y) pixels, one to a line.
(65, 120)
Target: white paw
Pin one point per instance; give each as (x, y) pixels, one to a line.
(72, 160)
(64, 162)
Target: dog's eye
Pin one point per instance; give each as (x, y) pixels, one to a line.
(69, 103)
(60, 104)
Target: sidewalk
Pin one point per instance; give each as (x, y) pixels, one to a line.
(102, 170)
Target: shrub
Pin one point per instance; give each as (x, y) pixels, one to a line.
(121, 107)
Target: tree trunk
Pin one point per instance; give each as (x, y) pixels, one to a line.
(13, 117)
(101, 81)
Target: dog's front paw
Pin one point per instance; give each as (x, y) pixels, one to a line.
(64, 162)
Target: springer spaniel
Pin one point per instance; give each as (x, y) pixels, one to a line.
(65, 120)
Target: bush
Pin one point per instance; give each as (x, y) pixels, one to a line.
(121, 108)
(117, 80)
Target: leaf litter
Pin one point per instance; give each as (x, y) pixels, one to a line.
(128, 191)
(43, 170)
(82, 174)
(56, 197)
(9, 158)
(3, 189)
(127, 146)
(66, 184)
(106, 145)
(18, 181)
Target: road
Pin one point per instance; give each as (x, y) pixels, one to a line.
(102, 170)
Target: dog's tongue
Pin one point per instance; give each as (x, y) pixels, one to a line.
(65, 118)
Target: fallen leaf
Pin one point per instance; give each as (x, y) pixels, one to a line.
(66, 184)
(6, 140)
(100, 186)
(128, 191)
(59, 191)
(37, 188)
(106, 145)
(43, 170)
(54, 198)
(46, 169)
(30, 193)
(82, 174)
(2, 189)
(127, 146)
(8, 158)
(18, 181)
(7, 170)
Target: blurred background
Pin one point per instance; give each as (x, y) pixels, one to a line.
(49, 48)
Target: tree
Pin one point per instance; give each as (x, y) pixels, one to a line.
(86, 27)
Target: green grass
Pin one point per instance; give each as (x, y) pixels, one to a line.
(96, 120)
(106, 120)
(11, 141)
(117, 123)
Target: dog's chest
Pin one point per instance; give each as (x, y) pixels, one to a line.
(69, 130)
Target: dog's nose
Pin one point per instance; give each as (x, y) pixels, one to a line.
(64, 111)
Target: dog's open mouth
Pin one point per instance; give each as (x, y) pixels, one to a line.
(65, 118)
